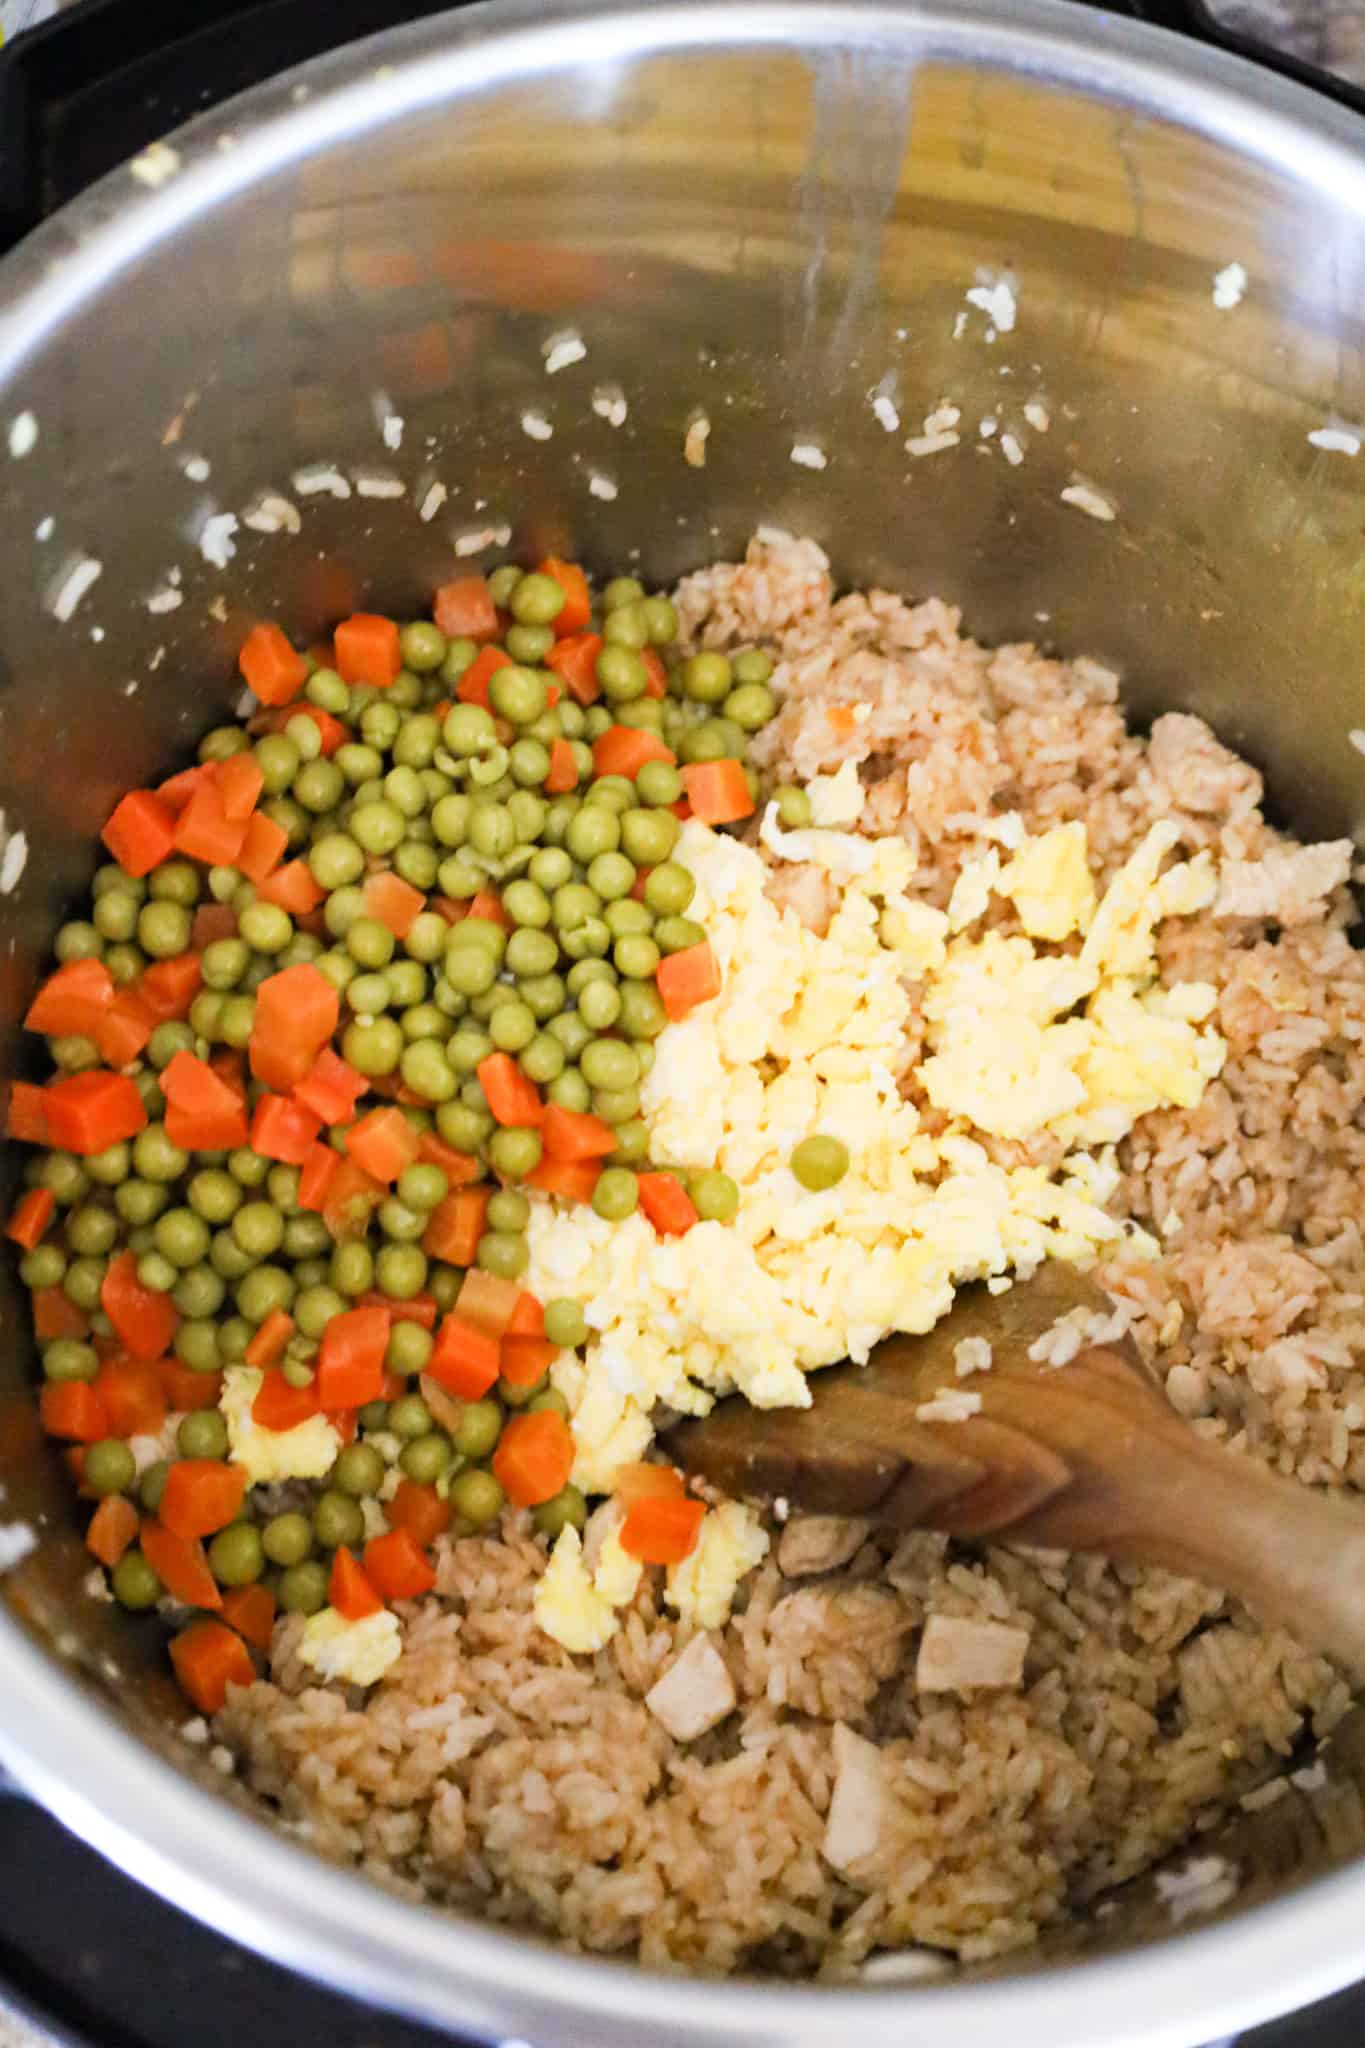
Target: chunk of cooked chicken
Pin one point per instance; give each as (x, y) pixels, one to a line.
(819, 1543)
(956, 1654)
(694, 1694)
(859, 1803)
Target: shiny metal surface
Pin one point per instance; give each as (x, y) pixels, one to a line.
(764, 214)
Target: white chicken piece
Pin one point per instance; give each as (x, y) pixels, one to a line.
(695, 1693)
(819, 1543)
(859, 1802)
(957, 1654)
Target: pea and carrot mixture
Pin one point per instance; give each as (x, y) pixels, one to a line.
(387, 956)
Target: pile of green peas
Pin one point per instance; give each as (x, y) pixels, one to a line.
(450, 797)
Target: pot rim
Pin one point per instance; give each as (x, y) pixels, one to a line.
(244, 1876)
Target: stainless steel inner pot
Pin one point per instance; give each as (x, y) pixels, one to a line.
(766, 215)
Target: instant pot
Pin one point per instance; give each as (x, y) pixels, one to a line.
(296, 359)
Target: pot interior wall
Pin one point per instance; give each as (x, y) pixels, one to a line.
(766, 231)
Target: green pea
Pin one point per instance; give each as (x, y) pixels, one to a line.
(622, 590)
(409, 1415)
(398, 1222)
(552, 866)
(528, 645)
(422, 646)
(426, 1070)
(326, 689)
(78, 941)
(615, 1105)
(593, 831)
(751, 705)
(565, 1324)
(570, 1091)
(64, 1177)
(287, 1539)
(649, 836)
(512, 1026)
(337, 1520)
(415, 747)
(66, 1359)
(248, 1168)
(820, 1162)
(543, 995)
(549, 1401)
(278, 760)
(526, 904)
(373, 1048)
(566, 1510)
(115, 914)
(227, 1257)
(611, 875)
(152, 1484)
(400, 1271)
(236, 1555)
(135, 1585)
(513, 1154)
(752, 666)
(626, 626)
(621, 673)
(91, 1232)
(616, 1194)
(706, 678)
(518, 694)
(258, 1228)
(264, 1289)
(536, 600)
(425, 1459)
(74, 1053)
(599, 1005)
(199, 1293)
(359, 1470)
(456, 660)
(335, 861)
(543, 1059)
(669, 889)
(43, 1267)
(163, 930)
(503, 1252)
(109, 1467)
(642, 1011)
(531, 952)
(608, 1063)
(303, 1588)
(82, 1281)
(476, 1497)
(409, 1347)
(125, 964)
(202, 1434)
(508, 1210)
(636, 957)
(461, 1126)
(369, 943)
(468, 729)
(703, 743)
(422, 1186)
(155, 1271)
(714, 1196)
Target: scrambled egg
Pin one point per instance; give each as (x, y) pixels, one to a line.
(304, 1452)
(1027, 1034)
(357, 1652)
(578, 1607)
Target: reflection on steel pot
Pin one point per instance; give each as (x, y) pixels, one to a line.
(598, 280)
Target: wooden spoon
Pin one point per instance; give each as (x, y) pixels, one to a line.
(1082, 1456)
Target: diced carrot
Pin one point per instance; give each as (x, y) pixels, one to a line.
(141, 832)
(296, 1014)
(348, 1589)
(277, 1405)
(448, 908)
(572, 1180)
(283, 1129)
(577, 607)
(316, 1175)
(528, 1317)
(270, 1341)
(145, 1322)
(472, 687)
(170, 986)
(180, 1564)
(133, 1396)
(534, 1458)
(667, 1204)
(459, 1168)
(30, 1217)
(624, 749)
(575, 1134)
(464, 609)
(273, 669)
(717, 791)
(209, 1131)
(240, 782)
(331, 731)
(292, 888)
(203, 1109)
(487, 1301)
(251, 1611)
(367, 650)
(201, 1496)
(574, 660)
(112, 1528)
(527, 1359)
(185, 1389)
(208, 1658)
(206, 832)
(73, 1408)
(212, 921)
(349, 1198)
(331, 1088)
(641, 1481)
(72, 1000)
(350, 1365)
(657, 686)
(463, 1360)
(512, 1098)
(662, 1531)
(487, 904)
(396, 1568)
(176, 791)
(125, 1027)
(393, 903)
(420, 1510)
(92, 1111)
(26, 1114)
(687, 978)
(55, 1316)
(455, 1226)
(563, 772)
(262, 849)
(383, 1143)
(418, 1308)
